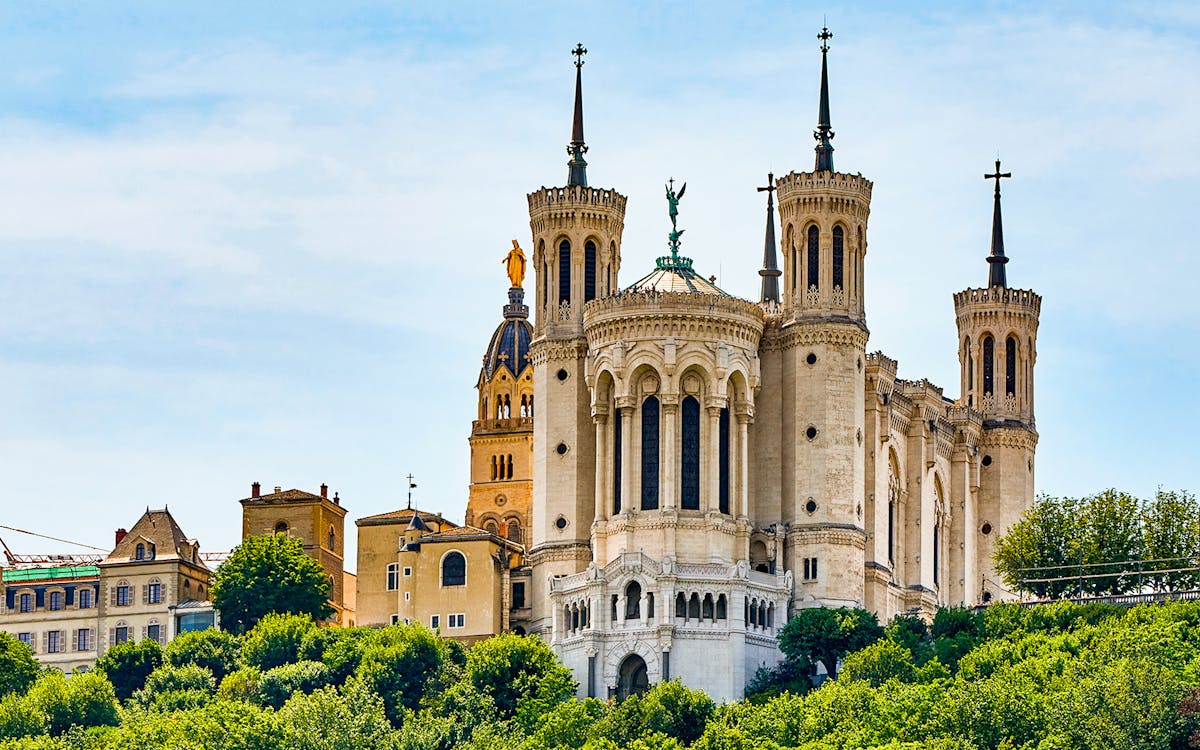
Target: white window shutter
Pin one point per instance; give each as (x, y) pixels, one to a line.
(112, 637)
(143, 631)
(46, 642)
(112, 590)
(145, 593)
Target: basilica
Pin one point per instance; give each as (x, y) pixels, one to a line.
(699, 466)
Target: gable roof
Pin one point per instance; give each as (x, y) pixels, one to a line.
(163, 538)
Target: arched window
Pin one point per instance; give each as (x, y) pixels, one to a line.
(989, 361)
(281, 527)
(564, 272)
(771, 615)
(970, 365)
(495, 468)
(839, 258)
(1010, 366)
(524, 406)
(707, 609)
(722, 607)
(454, 569)
(814, 257)
(510, 466)
(891, 528)
(680, 605)
(723, 461)
(689, 480)
(694, 607)
(633, 601)
(491, 528)
(650, 453)
(140, 552)
(937, 553)
(617, 463)
(650, 605)
(795, 269)
(331, 538)
(514, 531)
(589, 271)
(531, 406)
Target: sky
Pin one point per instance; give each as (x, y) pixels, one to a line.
(239, 243)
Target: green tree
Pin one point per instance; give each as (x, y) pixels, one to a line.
(169, 687)
(215, 650)
(1043, 545)
(276, 640)
(399, 664)
(520, 674)
(128, 664)
(87, 699)
(1171, 540)
(1112, 524)
(19, 718)
(268, 574)
(881, 661)
(826, 635)
(329, 719)
(676, 711)
(279, 684)
(18, 668)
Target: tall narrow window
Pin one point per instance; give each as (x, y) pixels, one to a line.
(564, 272)
(937, 554)
(617, 463)
(514, 532)
(690, 444)
(970, 366)
(989, 361)
(795, 268)
(633, 601)
(510, 466)
(650, 453)
(891, 532)
(814, 258)
(723, 462)
(839, 258)
(545, 284)
(589, 271)
(1010, 366)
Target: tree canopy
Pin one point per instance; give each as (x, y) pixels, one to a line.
(269, 574)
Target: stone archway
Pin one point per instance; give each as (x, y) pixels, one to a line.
(632, 678)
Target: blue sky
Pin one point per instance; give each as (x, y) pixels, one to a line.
(243, 244)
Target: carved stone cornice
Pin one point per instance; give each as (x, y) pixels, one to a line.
(1009, 437)
(806, 332)
(543, 350)
(827, 533)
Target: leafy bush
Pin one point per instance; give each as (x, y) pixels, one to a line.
(881, 661)
(18, 668)
(215, 650)
(85, 700)
(171, 688)
(275, 640)
(241, 685)
(278, 684)
(128, 664)
(520, 674)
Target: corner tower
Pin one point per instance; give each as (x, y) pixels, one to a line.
(501, 493)
(822, 345)
(997, 349)
(576, 233)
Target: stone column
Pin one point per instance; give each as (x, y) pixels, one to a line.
(711, 437)
(743, 474)
(628, 502)
(602, 464)
(668, 454)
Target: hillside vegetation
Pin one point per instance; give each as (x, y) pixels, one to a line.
(1058, 676)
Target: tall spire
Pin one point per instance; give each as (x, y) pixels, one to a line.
(997, 259)
(824, 131)
(577, 167)
(770, 272)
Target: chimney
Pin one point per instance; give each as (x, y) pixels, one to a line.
(325, 491)
(336, 500)
(255, 489)
(121, 535)
(278, 489)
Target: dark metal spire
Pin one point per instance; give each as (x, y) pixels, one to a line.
(997, 259)
(824, 131)
(577, 167)
(770, 272)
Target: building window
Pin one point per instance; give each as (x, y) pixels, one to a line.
(120, 633)
(839, 258)
(937, 529)
(153, 592)
(56, 600)
(891, 531)
(650, 453)
(564, 272)
(26, 603)
(407, 596)
(393, 578)
(722, 607)
(54, 642)
(810, 569)
(454, 569)
(1010, 366)
(989, 362)
(154, 631)
(395, 619)
(121, 595)
(814, 258)
(281, 528)
(140, 552)
(518, 595)
(331, 540)
(26, 638)
(633, 601)
(84, 640)
(85, 598)
(617, 463)
(435, 622)
(680, 605)
(456, 621)
(407, 572)
(690, 455)
(514, 532)
(723, 462)
(589, 271)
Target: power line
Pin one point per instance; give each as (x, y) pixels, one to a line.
(66, 541)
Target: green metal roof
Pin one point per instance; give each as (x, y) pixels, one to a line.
(56, 573)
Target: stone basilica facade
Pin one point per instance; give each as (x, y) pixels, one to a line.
(702, 465)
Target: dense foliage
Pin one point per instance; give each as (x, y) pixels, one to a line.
(1107, 543)
(1047, 678)
(269, 574)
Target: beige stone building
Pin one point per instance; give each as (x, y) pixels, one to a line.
(380, 538)
(318, 521)
(153, 584)
(704, 465)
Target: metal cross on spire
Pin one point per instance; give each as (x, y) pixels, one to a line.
(577, 166)
(770, 272)
(997, 259)
(411, 486)
(579, 52)
(824, 132)
(825, 36)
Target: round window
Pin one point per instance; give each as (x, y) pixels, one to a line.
(811, 506)
(811, 358)
(560, 523)
(811, 432)
(986, 529)
(562, 449)
(987, 460)
(562, 375)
